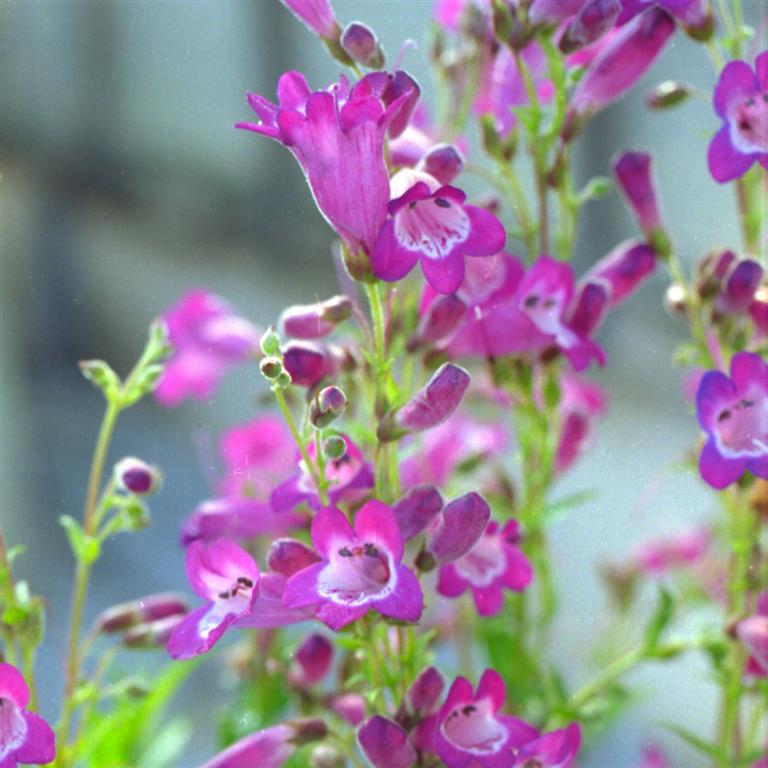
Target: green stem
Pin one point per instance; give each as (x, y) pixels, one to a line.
(607, 677)
(306, 458)
(82, 576)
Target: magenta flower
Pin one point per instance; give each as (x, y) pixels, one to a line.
(308, 363)
(208, 339)
(312, 661)
(347, 477)
(494, 564)
(594, 19)
(288, 556)
(24, 736)
(581, 403)
(360, 569)
(337, 136)
(694, 15)
(314, 321)
(753, 634)
(459, 528)
(741, 102)
(679, 550)
(385, 743)
(417, 509)
(633, 175)
(316, 15)
(556, 749)
(226, 577)
(470, 730)
(733, 412)
(739, 288)
(147, 609)
(653, 757)
(623, 60)
(269, 748)
(136, 476)
(430, 222)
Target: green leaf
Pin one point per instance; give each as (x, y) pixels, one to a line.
(665, 609)
(101, 376)
(596, 188)
(711, 750)
(86, 549)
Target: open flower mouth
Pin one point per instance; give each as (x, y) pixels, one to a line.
(433, 226)
(484, 563)
(232, 601)
(13, 727)
(357, 574)
(471, 727)
(742, 428)
(749, 126)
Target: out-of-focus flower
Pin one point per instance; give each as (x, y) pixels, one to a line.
(360, 570)
(739, 287)
(314, 321)
(733, 412)
(346, 477)
(24, 736)
(416, 510)
(741, 102)
(312, 661)
(695, 16)
(271, 747)
(208, 338)
(753, 634)
(581, 403)
(618, 66)
(337, 136)
(459, 527)
(495, 563)
(593, 20)
(430, 222)
(150, 608)
(653, 757)
(470, 730)
(361, 44)
(385, 743)
(680, 550)
(556, 749)
(350, 706)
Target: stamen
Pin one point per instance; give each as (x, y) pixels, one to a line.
(724, 415)
(531, 301)
(345, 552)
(442, 203)
(469, 709)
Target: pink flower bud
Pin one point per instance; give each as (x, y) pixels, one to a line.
(753, 633)
(416, 510)
(592, 21)
(307, 363)
(741, 284)
(287, 556)
(443, 162)
(350, 706)
(425, 691)
(135, 476)
(385, 743)
(441, 318)
(313, 661)
(327, 406)
(154, 634)
(462, 523)
(314, 321)
(316, 15)
(633, 175)
(362, 45)
(149, 608)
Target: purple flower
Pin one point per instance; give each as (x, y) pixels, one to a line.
(385, 743)
(312, 661)
(695, 16)
(430, 222)
(620, 64)
(495, 563)
(149, 608)
(633, 174)
(288, 556)
(338, 136)
(314, 321)
(682, 549)
(753, 634)
(416, 510)
(361, 44)
(459, 527)
(346, 478)
(581, 403)
(360, 569)
(653, 757)
(741, 102)
(316, 15)
(226, 577)
(309, 363)
(136, 476)
(208, 338)
(733, 412)
(470, 730)
(739, 288)
(271, 747)
(594, 19)
(24, 736)
(556, 749)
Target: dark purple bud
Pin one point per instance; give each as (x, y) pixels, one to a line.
(307, 730)
(712, 270)
(618, 66)
(592, 21)
(443, 162)
(362, 45)
(307, 363)
(385, 743)
(633, 175)
(590, 306)
(441, 318)
(667, 94)
(149, 608)
(287, 556)
(327, 406)
(271, 368)
(432, 405)
(153, 634)
(425, 691)
(135, 476)
(624, 269)
(313, 661)
(416, 510)
(314, 321)
(462, 523)
(741, 284)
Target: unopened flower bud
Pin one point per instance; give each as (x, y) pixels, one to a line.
(308, 730)
(288, 556)
(326, 756)
(308, 363)
(416, 510)
(443, 162)
(427, 688)
(362, 45)
(270, 342)
(135, 476)
(385, 743)
(327, 406)
(149, 608)
(667, 94)
(442, 316)
(154, 634)
(592, 21)
(337, 309)
(334, 447)
(633, 176)
(350, 706)
(462, 523)
(271, 368)
(284, 380)
(753, 633)
(313, 661)
(314, 321)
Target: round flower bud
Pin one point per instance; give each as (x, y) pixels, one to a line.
(362, 45)
(334, 447)
(270, 342)
(327, 406)
(135, 476)
(667, 94)
(271, 367)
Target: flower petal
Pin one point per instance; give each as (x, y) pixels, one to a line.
(13, 685)
(737, 82)
(491, 686)
(40, 744)
(718, 471)
(390, 261)
(715, 391)
(446, 274)
(375, 520)
(330, 526)
(449, 583)
(406, 602)
(486, 236)
(301, 589)
(725, 161)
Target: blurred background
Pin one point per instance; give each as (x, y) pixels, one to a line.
(124, 184)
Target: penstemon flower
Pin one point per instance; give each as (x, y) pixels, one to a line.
(753, 634)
